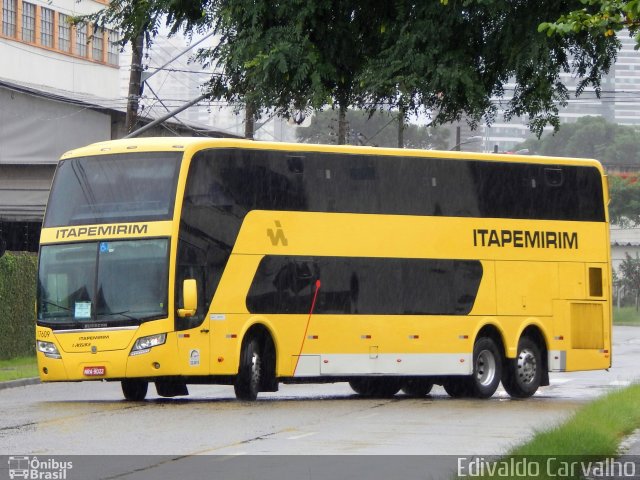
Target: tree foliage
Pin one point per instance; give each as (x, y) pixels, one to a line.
(600, 17)
(451, 58)
(591, 137)
(379, 129)
(629, 271)
(624, 209)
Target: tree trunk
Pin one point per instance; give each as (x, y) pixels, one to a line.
(249, 121)
(133, 99)
(342, 125)
(401, 128)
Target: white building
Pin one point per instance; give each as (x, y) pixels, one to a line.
(181, 80)
(51, 72)
(59, 89)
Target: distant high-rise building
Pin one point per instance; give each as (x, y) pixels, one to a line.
(619, 102)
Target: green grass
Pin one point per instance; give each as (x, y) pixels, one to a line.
(626, 316)
(592, 434)
(22, 367)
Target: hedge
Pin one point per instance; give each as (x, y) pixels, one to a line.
(18, 271)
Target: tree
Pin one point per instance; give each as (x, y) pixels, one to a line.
(379, 129)
(591, 137)
(451, 58)
(600, 17)
(630, 273)
(624, 209)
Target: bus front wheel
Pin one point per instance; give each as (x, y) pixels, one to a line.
(522, 375)
(247, 384)
(134, 390)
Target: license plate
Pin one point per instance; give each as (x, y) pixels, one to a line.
(94, 371)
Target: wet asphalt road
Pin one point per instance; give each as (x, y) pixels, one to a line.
(93, 419)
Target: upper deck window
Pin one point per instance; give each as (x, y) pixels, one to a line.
(132, 187)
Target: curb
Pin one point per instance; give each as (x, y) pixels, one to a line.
(23, 382)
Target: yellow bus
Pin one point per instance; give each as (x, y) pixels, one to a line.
(220, 261)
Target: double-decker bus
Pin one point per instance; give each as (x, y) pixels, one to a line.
(185, 261)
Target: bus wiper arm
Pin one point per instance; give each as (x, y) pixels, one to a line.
(47, 302)
(123, 313)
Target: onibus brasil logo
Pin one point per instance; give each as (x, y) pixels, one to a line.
(37, 469)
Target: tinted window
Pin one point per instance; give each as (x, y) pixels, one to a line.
(114, 283)
(360, 285)
(130, 187)
(243, 180)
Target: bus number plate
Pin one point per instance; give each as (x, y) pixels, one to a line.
(94, 371)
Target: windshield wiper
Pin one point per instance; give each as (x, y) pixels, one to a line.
(123, 313)
(47, 302)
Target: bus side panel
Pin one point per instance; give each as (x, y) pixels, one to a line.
(526, 288)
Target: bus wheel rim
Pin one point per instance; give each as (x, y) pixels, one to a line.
(485, 368)
(527, 366)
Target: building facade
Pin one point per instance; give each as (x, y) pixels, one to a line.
(51, 71)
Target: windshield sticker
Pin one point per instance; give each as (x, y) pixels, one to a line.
(83, 310)
(104, 247)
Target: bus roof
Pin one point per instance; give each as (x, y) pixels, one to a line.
(146, 144)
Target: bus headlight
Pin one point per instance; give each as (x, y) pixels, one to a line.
(144, 344)
(49, 349)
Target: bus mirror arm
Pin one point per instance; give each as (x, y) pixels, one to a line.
(190, 296)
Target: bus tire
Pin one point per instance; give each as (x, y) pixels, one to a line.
(249, 378)
(417, 387)
(134, 390)
(522, 375)
(376, 387)
(487, 368)
(457, 387)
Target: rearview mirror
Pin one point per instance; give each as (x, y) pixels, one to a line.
(190, 298)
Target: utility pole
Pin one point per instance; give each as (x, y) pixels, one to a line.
(135, 81)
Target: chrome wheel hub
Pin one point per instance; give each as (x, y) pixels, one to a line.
(485, 368)
(527, 366)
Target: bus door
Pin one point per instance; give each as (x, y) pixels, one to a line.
(192, 325)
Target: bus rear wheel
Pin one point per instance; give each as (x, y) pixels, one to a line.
(134, 390)
(487, 368)
(375, 387)
(417, 387)
(522, 375)
(457, 387)
(249, 378)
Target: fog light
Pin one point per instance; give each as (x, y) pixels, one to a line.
(45, 370)
(156, 365)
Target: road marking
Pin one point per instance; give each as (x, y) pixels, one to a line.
(298, 437)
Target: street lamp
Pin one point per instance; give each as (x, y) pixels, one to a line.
(475, 138)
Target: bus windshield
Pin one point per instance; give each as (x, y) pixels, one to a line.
(130, 187)
(109, 283)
